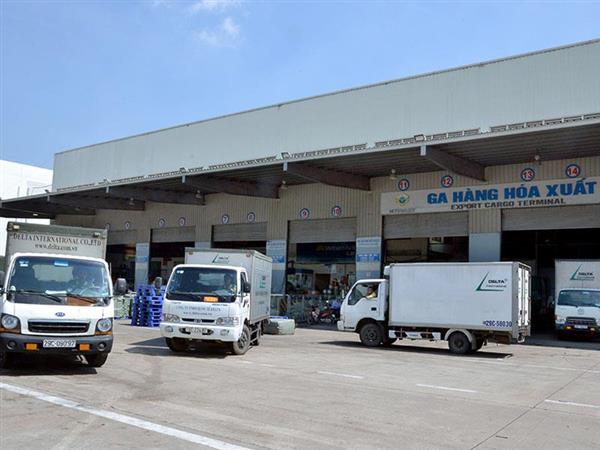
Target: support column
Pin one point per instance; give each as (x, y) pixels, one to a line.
(485, 235)
(484, 247)
(368, 257)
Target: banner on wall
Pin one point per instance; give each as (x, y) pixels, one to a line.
(368, 257)
(277, 250)
(142, 257)
(512, 195)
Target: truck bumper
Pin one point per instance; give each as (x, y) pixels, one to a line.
(572, 330)
(200, 332)
(84, 345)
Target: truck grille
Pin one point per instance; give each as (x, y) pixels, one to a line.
(51, 327)
(198, 320)
(589, 321)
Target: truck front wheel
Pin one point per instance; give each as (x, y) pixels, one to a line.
(96, 360)
(371, 335)
(177, 345)
(243, 344)
(459, 343)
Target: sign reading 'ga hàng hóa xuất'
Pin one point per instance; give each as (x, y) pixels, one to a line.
(513, 195)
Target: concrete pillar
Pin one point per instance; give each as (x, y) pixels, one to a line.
(368, 257)
(484, 247)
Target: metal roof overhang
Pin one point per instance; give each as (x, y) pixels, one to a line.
(351, 168)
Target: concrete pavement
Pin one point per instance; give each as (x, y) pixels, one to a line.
(317, 389)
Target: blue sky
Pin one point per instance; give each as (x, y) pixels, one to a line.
(81, 72)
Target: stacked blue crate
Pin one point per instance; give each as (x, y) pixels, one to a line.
(147, 306)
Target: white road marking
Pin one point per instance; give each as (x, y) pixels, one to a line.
(444, 388)
(345, 375)
(266, 365)
(245, 362)
(582, 405)
(128, 420)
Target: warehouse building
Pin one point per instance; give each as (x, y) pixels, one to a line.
(494, 161)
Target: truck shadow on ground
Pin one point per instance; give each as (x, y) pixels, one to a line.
(158, 347)
(404, 348)
(36, 365)
(573, 342)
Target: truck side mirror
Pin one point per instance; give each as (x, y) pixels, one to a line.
(121, 286)
(247, 288)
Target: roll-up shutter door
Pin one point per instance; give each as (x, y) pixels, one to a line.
(174, 234)
(323, 230)
(122, 237)
(554, 218)
(240, 232)
(426, 225)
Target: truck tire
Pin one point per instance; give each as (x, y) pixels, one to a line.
(177, 345)
(459, 343)
(96, 360)
(243, 344)
(371, 335)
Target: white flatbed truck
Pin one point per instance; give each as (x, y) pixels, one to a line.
(217, 295)
(466, 304)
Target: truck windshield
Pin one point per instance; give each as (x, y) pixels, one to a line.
(46, 280)
(579, 298)
(203, 284)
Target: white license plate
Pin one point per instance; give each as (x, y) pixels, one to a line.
(581, 327)
(198, 330)
(59, 343)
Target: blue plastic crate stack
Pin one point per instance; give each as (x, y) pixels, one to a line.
(147, 306)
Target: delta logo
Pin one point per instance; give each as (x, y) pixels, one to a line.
(488, 284)
(221, 259)
(581, 275)
(403, 200)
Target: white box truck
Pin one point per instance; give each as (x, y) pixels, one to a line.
(467, 304)
(217, 295)
(56, 293)
(577, 308)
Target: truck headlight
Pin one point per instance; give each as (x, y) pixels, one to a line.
(559, 320)
(228, 321)
(9, 322)
(171, 318)
(104, 325)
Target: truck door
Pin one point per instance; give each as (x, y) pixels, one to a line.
(365, 300)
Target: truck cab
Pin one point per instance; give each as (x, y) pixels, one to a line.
(577, 312)
(577, 304)
(207, 303)
(365, 301)
(56, 304)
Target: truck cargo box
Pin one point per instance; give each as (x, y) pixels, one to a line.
(474, 296)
